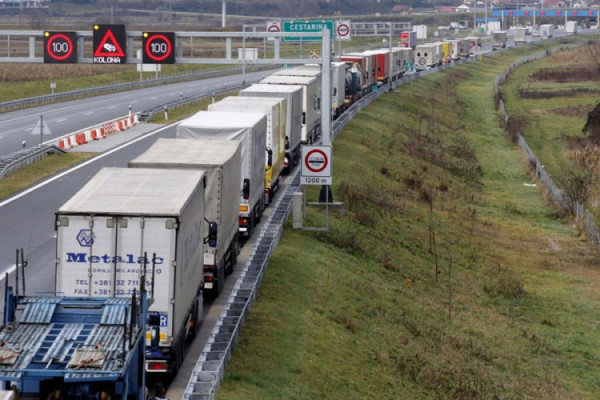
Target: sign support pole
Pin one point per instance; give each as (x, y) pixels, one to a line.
(326, 89)
(41, 130)
(326, 106)
(391, 63)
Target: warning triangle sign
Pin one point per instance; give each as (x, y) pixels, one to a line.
(109, 46)
(41, 128)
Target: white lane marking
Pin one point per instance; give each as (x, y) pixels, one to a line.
(86, 163)
(112, 107)
(61, 120)
(10, 270)
(88, 113)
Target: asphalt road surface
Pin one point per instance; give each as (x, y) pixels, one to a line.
(76, 115)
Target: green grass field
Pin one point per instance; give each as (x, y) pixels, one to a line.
(552, 125)
(359, 312)
(47, 166)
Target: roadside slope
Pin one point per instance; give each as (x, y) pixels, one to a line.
(447, 277)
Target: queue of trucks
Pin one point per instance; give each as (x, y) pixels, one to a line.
(173, 222)
(180, 211)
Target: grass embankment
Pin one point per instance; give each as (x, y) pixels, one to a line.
(27, 176)
(550, 99)
(430, 181)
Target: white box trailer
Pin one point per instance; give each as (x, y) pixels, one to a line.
(401, 56)
(454, 47)
(311, 103)
(421, 31)
(571, 27)
(338, 84)
(520, 34)
(425, 56)
(222, 162)
(274, 109)
(547, 30)
(123, 220)
(251, 130)
(293, 95)
(479, 45)
(499, 39)
(464, 48)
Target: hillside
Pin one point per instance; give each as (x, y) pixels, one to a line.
(206, 14)
(446, 278)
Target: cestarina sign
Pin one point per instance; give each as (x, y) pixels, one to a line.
(316, 165)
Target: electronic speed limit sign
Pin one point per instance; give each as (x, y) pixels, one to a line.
(342, 30)
(316, 165)
(60, 47)
(158, 47)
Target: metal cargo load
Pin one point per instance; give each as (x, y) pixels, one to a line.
(222, 162)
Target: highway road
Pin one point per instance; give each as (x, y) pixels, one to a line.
(76, 115)
(27, 220)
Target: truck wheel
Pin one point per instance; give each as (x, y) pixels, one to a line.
(258, 211)
(232, 257)
(251, 224)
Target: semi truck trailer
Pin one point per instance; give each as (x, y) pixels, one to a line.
(293, 126)
(127, 223)
(250, 129)
(274, 109)
(222, 162)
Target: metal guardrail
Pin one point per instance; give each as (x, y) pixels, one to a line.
(123, 86)
(146, 115)
(583, 216)
(16, 160)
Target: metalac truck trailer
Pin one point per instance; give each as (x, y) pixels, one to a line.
(222, 162)
(123, 220)
(251, 131)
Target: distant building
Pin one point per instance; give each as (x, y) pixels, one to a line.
(463, 8)
(445, 9)
(402, 9)
(23, 3)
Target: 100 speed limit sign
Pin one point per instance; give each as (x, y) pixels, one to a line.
(316, 165)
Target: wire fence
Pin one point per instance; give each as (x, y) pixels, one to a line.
(584, 218)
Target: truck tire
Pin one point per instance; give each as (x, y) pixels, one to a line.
(232, 257)
(251, 224)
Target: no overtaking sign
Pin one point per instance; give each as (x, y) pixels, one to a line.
(316, 165)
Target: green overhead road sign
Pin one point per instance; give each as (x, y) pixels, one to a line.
(306, 27)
